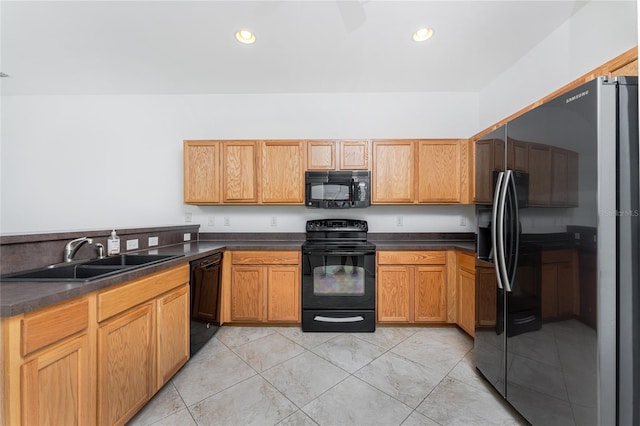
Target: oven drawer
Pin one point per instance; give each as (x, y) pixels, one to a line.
(342, 321)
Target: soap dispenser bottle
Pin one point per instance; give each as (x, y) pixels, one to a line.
(113, 244)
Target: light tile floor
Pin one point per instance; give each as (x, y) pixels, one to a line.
(282, 376)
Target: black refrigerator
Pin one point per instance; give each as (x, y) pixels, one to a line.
(557, 190)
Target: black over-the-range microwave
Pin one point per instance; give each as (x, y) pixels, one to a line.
(337, 189)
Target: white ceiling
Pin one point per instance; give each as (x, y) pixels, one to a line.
(188, 47)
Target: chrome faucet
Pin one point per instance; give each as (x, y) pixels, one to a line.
(73, 246)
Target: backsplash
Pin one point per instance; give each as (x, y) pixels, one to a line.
(29, 251)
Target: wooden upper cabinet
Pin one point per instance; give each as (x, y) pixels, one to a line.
(440, 170)
(201, 172)
(539, 175)
(239, 172)
(489, 157)
(354, 155)
(282, 172)
(321, 155)
(338, 155)
(517, 155)
(393, 172)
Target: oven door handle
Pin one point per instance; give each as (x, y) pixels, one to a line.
(321, 318)
(337, 253)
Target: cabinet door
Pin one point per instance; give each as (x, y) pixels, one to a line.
(439, 171)
(394, 293)
(559, 177)
(172, 333)
(393, 172)
(247, 284)
(126, 364)
(201, 172)
(239, 176)
(430, 294)
(568, 299)
(539, 175)
(56, 385)
(486, 297)
(549, 291)
(572, 179)
(283, 294)
(518, 155)
(282, 172)
(354, 155)
(467, 307)
(321, 155)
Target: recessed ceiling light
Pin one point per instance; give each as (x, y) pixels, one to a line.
(245, 36)
(423, 34)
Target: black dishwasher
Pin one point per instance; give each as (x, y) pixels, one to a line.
(205, 299)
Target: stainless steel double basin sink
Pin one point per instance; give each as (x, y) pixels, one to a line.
(90, 269)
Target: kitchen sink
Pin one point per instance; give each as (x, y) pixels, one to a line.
(89, 270)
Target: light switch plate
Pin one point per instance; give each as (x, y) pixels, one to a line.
(153, 241)
(187, 236)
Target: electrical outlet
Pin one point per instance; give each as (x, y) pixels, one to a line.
(399, 220)
(576, 235)
(274, 221)
(153, 241)
(463, 221)
(132, 244)
(227, 221)
(211, 221)
(186, 236)
(187, 217)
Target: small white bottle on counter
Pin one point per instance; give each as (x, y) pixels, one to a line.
(113, 244)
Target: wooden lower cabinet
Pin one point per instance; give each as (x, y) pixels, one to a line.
(394, 293)
(430, 294)
(172, 333)
(486, 296)
(126, 364)
(263, 287)
(559, 290)
(56, 385)
(48, 366)
(466, 281)
(98, 358)
(411, 287)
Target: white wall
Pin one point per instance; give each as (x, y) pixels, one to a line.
(597, 33)
(87, 162)
(83, 162)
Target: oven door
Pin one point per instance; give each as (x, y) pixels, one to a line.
(333, 279)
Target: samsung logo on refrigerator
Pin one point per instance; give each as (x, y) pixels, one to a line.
(577, 96)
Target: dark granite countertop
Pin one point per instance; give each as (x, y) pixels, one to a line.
(468, 246)
(24, 296)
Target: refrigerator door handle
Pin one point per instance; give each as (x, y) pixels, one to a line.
(495, 224)
(514, 224)
(501, 260)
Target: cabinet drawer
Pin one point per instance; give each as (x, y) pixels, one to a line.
(53, 324)
(132, 293)
(412, 257)
(557, 256)
(265, 258)
(466, 261)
